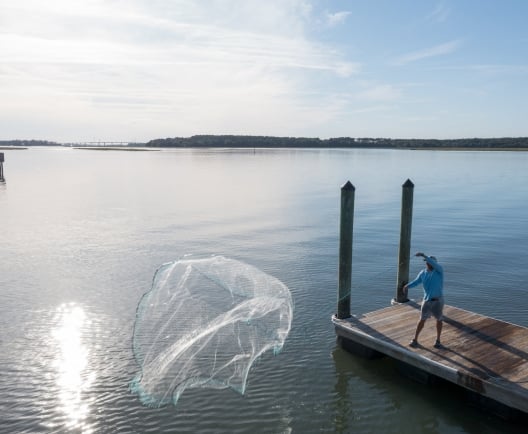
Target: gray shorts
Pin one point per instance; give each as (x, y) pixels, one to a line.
(433, 307)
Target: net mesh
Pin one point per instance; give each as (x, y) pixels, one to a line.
(203, 324)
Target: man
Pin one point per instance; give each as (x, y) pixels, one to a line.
(432, 279)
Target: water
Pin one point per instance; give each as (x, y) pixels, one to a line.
(82, 233)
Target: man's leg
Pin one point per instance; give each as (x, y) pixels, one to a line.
(419, 328)
(438, 309)
(425, 311)
(438, 330)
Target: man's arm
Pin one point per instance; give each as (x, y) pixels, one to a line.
(431, 262)
(414, 282)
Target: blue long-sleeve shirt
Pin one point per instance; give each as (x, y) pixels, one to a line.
(432, 281)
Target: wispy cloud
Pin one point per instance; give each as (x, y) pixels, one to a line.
(152, 68)
(373, 109)
(235, 66)
(437, 50)
(380, 92)
(99, 35)
(440, 13)
(490, 69)
(333, 19)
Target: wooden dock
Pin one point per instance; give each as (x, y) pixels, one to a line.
(482, 354)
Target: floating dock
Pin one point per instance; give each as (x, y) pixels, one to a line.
(479, 353)
(484, 355)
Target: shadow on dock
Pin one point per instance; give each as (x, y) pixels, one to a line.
(485, 356)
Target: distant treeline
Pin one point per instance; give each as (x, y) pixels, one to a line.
(235, 141)
(231, 141)
(28, 143)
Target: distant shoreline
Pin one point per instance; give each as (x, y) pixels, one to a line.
(274, 142)
(467, 149)
(154, 149)
(461, 149)
(233, 141)
(114, 148)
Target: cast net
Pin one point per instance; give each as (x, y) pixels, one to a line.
(203, 324)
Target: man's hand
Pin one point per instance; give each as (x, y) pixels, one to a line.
(420, 254)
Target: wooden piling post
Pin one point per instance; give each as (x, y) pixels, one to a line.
(404, 253)
(345, 250)
(2, 167)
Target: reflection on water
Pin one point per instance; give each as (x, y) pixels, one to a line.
(101, 234)
(73, 376)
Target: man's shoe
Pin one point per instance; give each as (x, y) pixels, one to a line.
(413, 343)
(437, 344)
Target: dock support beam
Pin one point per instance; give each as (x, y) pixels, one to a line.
(2, 167)
(345, 250)
(404, 254)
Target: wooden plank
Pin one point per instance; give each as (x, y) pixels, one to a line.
(482, 354)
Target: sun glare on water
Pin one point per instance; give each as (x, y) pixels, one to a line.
(73, 376)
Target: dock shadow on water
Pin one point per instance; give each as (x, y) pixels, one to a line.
(203, 324)
(365, 388)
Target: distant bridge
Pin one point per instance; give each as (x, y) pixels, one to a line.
(101, 143)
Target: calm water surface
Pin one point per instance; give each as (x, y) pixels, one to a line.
(82, 233)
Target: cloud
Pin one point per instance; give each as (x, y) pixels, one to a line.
(101, 35)
(380, 92)
(437, 50)
(333, 19)
(440, 13)
(172, 68)
(490, 69)
(373, 109)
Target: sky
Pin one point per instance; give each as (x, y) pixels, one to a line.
(136, 70)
